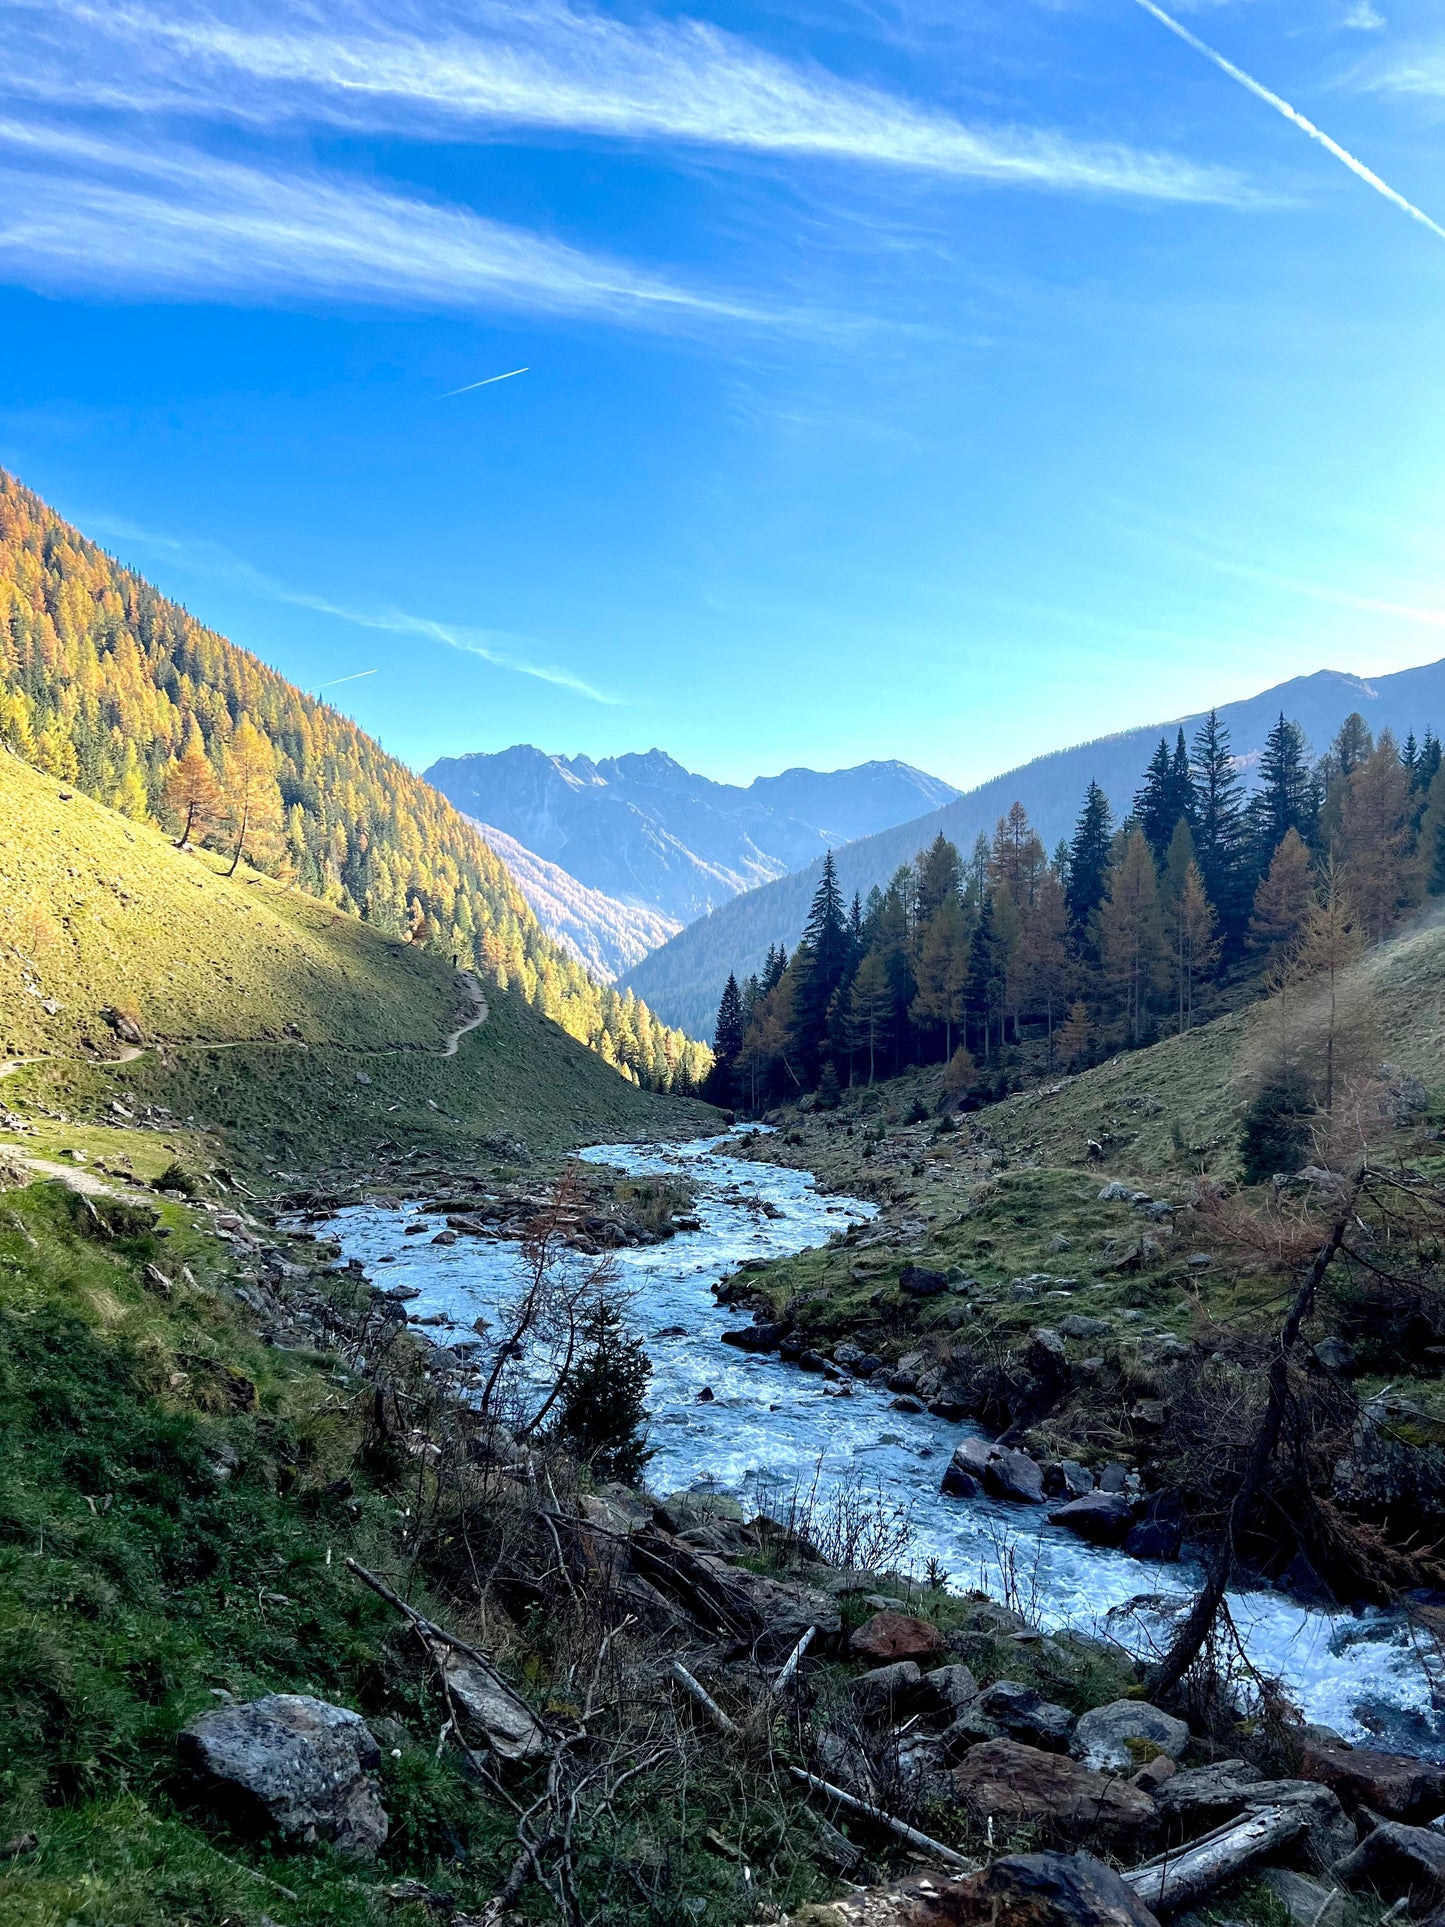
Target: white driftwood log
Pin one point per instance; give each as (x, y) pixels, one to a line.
(1174, 1880)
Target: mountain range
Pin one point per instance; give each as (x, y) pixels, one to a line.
(641, 833)
(683, 980)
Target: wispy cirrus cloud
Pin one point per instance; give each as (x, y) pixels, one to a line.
(110, 215)
(1417, 69)
(386, 65)
(213, 560)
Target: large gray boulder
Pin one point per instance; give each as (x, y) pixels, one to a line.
(1017, 1712)
(1126, 1734)
(296, 1763)
(1016, 1477)
(1398, 1862)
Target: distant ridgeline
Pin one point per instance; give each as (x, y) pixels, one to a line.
(1010, 961)
(106, 684)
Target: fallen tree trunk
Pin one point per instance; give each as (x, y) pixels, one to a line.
(852, 1804)
(1175, 1880)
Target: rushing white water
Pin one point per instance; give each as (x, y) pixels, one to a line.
(769, 1428)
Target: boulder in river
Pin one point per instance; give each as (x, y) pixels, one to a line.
(1016, 1477)
(1103, 1518)
(299, 1763)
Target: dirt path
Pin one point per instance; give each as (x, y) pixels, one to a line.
(476, 998)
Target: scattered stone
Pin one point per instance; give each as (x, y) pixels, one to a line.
(1391, 1784)
(1150, 1778)
(508, 1723)
(1019, 1890)
(1201, 1797)
(1116, 1193)
(1016, 1477)
(958, 1484)
(1020, 1713)
(919, 1282)
(756, 1338)
(1335, 1355)
(882, 1694)
(952, 1687)
(1113, 1478)
(1399, 1862)
(905, 1402)
(447, 1237)
(300, 1763)
(1307, 1903)
(890, 1636)
(1103, 1518)
(1076, 1325)
(1125, 1734)
(1199, 1260)
(974, 1456)
(1022, 1786)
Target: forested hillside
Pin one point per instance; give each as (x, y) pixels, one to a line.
(1012, 959)
(683, 979)
(106, 684)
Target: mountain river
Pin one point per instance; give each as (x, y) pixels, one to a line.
(770, 1431)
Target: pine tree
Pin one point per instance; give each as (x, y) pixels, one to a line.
(821, 963)
(1166, 796)
(1284, 899)
(1076, 1039)
(1219, 834)
(940, 878)
(987, 978)
(728, 1041)
(253, 801)
(192, 793)
(1375, 838)
(943, 972)
(1089, 857)
(1131, 933)
(1047, 969)
(602, 1411)
(1431, 838)
(1283, 801)
(1194, 947)
(1328, 945)
(871, 1011)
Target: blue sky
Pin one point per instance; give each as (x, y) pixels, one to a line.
(949, 380)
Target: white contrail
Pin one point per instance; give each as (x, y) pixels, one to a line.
(484, 384)
(1367, 175)
(341, 679)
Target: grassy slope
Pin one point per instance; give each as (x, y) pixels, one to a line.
(96, 911)
(1176, 1106)
(1025, 1199)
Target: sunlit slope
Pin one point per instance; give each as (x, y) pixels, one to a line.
(229, 977)
(1177, 1105)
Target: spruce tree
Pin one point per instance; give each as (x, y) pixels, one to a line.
(727, 1042)
(1089, 857)
(602, 1416)
(1219, 829)
(821, 965)
(1283, 801)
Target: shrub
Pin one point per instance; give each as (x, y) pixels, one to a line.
(1277, 1126)
(602, 1418)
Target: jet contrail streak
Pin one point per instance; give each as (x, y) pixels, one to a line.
(1367, 175)
(341, 679)
(484, 384)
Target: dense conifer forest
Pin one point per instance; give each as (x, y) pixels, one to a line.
(106, 684)
(1012, 960)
